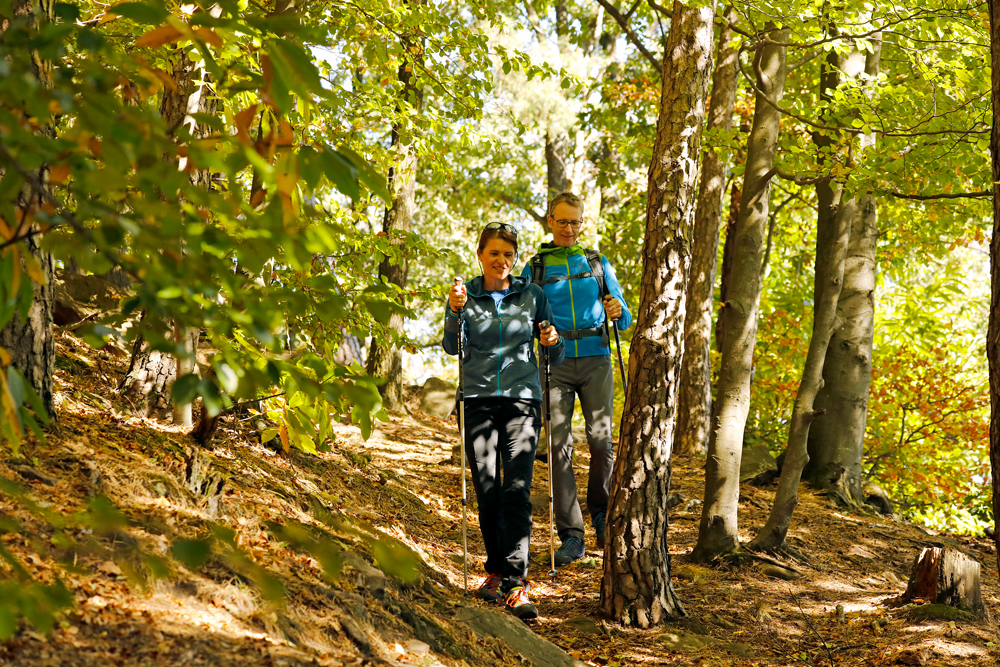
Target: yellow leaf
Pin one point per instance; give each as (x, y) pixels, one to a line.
(209, 36)
(34, 269)
(283, 432)
(16, 282)
(4, 358)
(286, 183)
(58, 173)
(165, 34)
(5, 231)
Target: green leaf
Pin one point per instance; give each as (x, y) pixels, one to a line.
(372, 180)
(140, 12)
(192, 553)
(185, 389)
(341, 172)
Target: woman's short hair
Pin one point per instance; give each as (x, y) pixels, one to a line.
(566, 197)
(497, 233)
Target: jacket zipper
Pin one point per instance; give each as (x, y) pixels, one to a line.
(497, 307)
(572, 306)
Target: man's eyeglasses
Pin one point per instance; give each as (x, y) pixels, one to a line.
(562, 224)
(501, 225)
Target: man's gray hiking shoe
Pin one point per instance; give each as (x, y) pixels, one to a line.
(599, 520)
(571, 550)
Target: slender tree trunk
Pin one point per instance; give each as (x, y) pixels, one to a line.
(152, 373)
(829, 273)
(385, 360)
(728, 250)
(836, 439)
(636, 586)
(993, 333)
(30, 341)
(694, 409)
(718, 531)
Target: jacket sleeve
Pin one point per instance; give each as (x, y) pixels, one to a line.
(557, 353)
(452, 324)
(625, 321)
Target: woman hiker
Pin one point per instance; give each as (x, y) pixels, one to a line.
(499, 315)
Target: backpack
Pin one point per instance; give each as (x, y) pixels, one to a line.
(596, 272)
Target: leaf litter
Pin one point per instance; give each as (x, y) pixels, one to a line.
(400, 491)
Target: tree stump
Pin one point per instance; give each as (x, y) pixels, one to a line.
(945, 576)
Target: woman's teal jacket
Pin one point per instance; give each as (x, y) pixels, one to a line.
(499, 342)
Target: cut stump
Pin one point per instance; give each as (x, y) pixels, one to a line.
(945, 576)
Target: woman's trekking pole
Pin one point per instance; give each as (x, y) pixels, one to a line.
(461, 435)
(544, 324)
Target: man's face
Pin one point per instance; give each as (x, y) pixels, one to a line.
(565, 214)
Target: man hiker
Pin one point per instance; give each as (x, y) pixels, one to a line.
(584, 296)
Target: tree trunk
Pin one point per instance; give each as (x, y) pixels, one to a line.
(718, 531)
(694, 406)
(30, 341)
(993, 332)
(728, 250)
(836, 439)
(385, 360)
(152, 373)
(945, 576)
(829, 278)
(636, 586)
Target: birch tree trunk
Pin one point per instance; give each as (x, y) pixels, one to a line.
(993, 332)
(718, 531)
(636, 587)
(836, 439)
(694, 409)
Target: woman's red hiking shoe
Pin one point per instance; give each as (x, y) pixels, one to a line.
(490, 590)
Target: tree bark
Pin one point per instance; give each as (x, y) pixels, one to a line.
(385, 360)
(30, 341)
(694, 409)
(728, 250)
(993, 331)
(718, 531)
(829, 278)
(836, 439)
(945, 576)
(636, 587)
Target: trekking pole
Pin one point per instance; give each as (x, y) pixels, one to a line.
(618, 344)
(461, 435)
(544, 324)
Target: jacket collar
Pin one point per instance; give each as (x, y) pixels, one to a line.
(553, 249)
(475, 286)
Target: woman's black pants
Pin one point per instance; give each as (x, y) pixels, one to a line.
(500, 439)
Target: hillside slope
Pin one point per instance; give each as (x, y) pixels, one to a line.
(287, 522)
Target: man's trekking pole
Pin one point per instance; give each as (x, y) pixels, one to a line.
(544, 324)
(618, 343)
(461, 436)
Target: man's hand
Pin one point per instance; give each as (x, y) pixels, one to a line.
(548, 336)
(457, 297)
(612, 307)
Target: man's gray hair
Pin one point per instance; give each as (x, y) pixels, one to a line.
(566, 198)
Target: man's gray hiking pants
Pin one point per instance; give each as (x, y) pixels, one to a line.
(592, 379)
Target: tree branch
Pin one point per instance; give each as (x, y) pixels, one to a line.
(956, 195)
(623, 22)
(538, 217)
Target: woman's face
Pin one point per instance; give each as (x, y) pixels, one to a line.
(497, 259)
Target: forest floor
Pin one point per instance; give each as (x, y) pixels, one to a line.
(401, 488)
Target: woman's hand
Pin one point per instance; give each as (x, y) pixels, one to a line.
(457, 297)
(548, 336)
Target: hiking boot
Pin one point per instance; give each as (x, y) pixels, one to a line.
(490, 590)
(599, 519)
(518, 603)
(571, 550)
